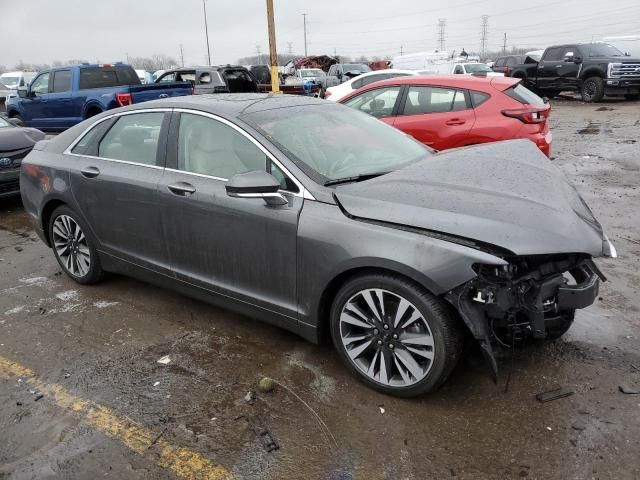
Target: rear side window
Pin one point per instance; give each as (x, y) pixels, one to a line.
(104, 77)
(133, 138)
(378, 103)
(478, 98)
(88, 144)
(523, 95)
(61, 81)
(500, 62)
(422, 100)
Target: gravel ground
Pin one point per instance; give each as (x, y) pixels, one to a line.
(109, 409)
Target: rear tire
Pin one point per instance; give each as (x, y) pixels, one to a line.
(73, 246)
(394, 336)
(592, 89)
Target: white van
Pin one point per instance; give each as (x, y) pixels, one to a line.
(14, 80)
(425, 61)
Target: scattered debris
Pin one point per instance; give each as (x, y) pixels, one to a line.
(67, 375)
(554, 394)
(38, 396)
(578, 427)
(263, 434)
(266, 385)
(628, 389)
(156, 384)
(549, 428)
(250, 396)
(381, 409)
(18, 249)
(166, 360)
(19, 404)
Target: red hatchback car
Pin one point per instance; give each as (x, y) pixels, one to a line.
(448, 111)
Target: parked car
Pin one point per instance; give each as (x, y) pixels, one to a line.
(341, 72)
(454, 111)
(204, 79)
(340, 91)
(15, 143)
(380, 65)
(59, 98)
(5, 92)
(324, 221)
(593, 69)
(261, 72)
(13, 80)
(505, 64)
(429, 61)
(474, 69)
(303, 75)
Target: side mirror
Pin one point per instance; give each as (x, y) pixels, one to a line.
(23, 92)
(256, 184)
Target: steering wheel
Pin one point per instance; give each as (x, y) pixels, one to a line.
(341, 165)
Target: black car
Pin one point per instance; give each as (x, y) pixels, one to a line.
(325, 221)
(217, 79)
(15, 143)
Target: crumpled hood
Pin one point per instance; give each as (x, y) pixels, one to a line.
(507, 194)
(18, 138)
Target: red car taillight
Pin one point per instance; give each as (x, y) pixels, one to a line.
(123, 99)
(327, 94)
(506, 71)
(529, 114)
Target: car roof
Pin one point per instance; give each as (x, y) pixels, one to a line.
(460, 81)
(232, 104)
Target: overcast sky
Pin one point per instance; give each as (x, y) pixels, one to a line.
(41, 31)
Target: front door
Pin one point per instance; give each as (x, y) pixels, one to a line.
(61, 111)
(35, 105)
(116, 176)
(439, 117)
(237, 247)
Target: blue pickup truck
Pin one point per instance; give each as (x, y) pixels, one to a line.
(59, 98)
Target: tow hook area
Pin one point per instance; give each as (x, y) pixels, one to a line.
(505, 305)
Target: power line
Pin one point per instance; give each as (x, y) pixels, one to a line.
(442, 24)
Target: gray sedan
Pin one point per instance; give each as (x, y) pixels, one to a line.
(324, 221)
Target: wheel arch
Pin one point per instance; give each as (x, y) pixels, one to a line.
(592, 72)
(92, 109)
(45, 216)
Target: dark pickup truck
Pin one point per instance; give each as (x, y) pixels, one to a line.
(59, 98)
(593, 69)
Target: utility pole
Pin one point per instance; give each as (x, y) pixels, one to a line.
(181, 56)
(290, 48)
(400, 50)
(206, 32)
(273, 55)
(304, 22)
(259, 54)
(442, 23)
(483, 36)
(504, 44)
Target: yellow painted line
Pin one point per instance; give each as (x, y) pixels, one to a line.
(183, 462)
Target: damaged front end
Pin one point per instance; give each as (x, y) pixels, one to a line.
(531, 297)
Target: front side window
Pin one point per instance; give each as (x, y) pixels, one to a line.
(421, 100)
(133, 138)
(209, 147)
(378, 103)
(40, 85)
(553, 54)
(167, 78)
(329, 142)
(62, 81)
(458, 70)
(500, 62)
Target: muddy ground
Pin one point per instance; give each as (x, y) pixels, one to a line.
(102, 343)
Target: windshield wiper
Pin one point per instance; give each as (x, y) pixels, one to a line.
(355, 178)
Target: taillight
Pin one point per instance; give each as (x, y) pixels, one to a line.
(327, 94)
(124, 99)
(528, 114)
(506, 71)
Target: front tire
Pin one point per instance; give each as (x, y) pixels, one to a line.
(395, 336)
(73, 247)
(592, 89)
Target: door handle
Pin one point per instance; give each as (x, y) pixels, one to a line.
(90, 172)
(455, 121)
(182, 188)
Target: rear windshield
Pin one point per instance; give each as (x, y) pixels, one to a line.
(104, 77)
(523, 95)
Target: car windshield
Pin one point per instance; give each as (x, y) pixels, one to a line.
(11, 82)
(331, 142)
(602, 50)
(347, 67)
(477, 67)
(312, 73)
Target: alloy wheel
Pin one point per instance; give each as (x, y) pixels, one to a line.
(386, 337)
(71, 246)
(589, 89)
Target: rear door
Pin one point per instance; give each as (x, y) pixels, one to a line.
(238, 247)
(439, 117)
(61, 111)
(115, 179)
(549, 68)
